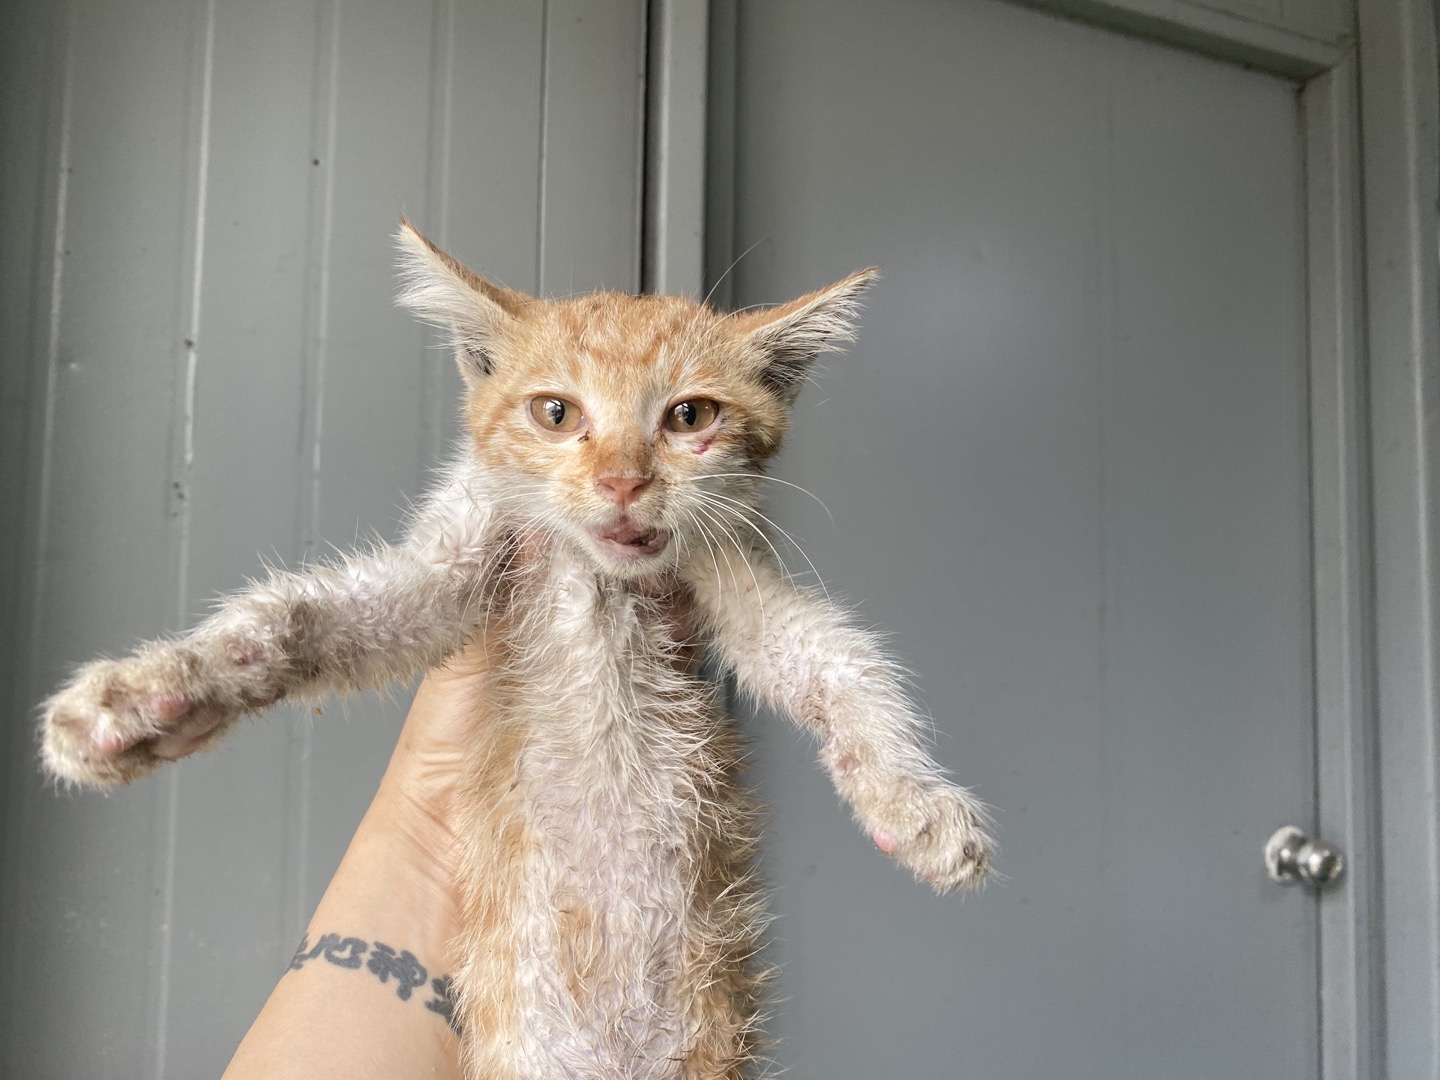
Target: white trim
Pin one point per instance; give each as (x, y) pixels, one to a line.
(1345, 752)
(1398, 96)
(675, 153)
(722, 85)
(1206, 30)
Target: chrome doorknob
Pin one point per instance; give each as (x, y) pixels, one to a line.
(1291, 856)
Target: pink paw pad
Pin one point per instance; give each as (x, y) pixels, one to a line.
(169, 706)
(884, 841)
(109, 741)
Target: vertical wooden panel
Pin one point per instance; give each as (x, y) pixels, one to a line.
(85, 927)
(33, 81)
(484, 203)
(489, 164)
(370, 371)
(230, 908)
(591, 173)
(30, 72)
(232, 380)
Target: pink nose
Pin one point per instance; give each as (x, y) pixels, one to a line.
(623, 490)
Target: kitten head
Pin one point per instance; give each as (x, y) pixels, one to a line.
(630, 428)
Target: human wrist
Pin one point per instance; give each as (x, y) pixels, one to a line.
(396, 878)
(390, 916)
(367, 991)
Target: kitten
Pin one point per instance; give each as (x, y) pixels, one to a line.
(600, 517)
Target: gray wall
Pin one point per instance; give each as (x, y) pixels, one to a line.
(201, 366)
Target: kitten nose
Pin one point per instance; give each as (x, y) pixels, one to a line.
(623, 490)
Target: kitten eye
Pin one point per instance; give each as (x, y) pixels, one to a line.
(556, 414)
(696, 414)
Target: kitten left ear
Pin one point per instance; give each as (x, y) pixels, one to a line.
(446, 293)
(785, 340)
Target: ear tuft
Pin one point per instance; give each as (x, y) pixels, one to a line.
(786, 339)
(444, 292)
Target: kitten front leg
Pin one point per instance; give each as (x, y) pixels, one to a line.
(796, 653)
(360, 624)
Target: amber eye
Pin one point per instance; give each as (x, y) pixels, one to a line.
(697, 414)
(556, 414)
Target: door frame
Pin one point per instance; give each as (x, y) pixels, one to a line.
(1369, 111)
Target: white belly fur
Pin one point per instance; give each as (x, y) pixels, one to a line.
(608, 775)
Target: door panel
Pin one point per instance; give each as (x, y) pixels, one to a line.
(1067, 465)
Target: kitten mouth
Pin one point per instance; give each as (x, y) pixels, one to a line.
(629, 541)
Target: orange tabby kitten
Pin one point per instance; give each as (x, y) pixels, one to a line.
(600, 519)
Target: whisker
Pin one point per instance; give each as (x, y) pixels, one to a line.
(775, 480)
(779, 562)
(739, 548)
(719, 585)
(732, 266)
(740, 510)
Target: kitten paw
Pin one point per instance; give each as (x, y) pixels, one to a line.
(938, 830)
(119, 719)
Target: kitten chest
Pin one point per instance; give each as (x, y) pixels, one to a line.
(610, 774)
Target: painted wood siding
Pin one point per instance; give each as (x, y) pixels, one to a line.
(202, 367)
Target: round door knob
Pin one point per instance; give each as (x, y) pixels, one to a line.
(1291, 856)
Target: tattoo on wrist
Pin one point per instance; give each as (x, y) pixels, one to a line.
(386, 964)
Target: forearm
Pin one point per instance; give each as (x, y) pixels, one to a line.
(332, 1017)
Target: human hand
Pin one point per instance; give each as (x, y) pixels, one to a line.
(396, 885)
(417, 795)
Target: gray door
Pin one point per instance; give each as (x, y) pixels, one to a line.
(1067, 464)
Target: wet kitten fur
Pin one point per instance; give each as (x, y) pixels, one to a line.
(611, 912)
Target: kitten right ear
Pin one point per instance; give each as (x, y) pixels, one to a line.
(443, 292)
(784, 340)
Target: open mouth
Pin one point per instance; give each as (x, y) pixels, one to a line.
(630, 541)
